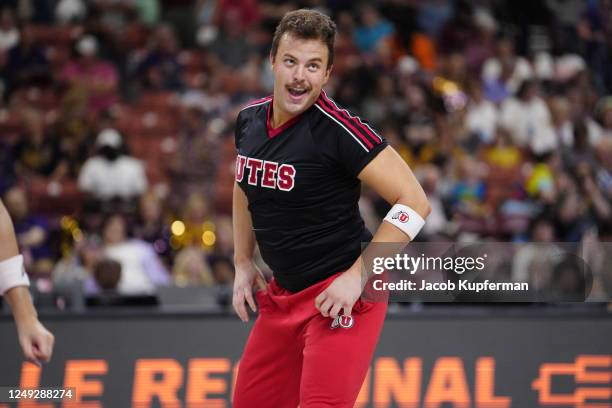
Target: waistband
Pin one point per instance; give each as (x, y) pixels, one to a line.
(275, 289)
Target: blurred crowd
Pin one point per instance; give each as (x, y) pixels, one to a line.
(117, 116)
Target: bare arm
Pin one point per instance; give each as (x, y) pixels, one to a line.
(244, 238)
(8, 248)
(35, 340)
(393, 180)
(248, 275)
(18, 297)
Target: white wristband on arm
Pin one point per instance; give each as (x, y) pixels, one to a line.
(406, 219)
(12, 274)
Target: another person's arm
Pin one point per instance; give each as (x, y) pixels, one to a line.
(248, 275)
(36, 341)
(393, 180)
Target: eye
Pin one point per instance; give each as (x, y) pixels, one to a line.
(289, 61)
(313, 67)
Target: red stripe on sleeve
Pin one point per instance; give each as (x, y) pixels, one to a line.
(356, 120)
(338, 116)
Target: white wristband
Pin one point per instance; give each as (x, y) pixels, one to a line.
(12, 274)
(406, 219)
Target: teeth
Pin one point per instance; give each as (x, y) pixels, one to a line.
(297, 91)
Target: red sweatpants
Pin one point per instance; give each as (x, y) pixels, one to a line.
(294, 356)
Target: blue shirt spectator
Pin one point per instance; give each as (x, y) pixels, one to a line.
(373, 30)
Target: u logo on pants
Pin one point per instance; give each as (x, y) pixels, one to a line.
(295, 356)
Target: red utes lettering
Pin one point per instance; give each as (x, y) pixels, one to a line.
(240, 161)
(268, 180)
(286, 175)
(268, 174)
(254, 166)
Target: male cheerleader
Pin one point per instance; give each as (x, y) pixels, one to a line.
(36, 341)
(301, 160)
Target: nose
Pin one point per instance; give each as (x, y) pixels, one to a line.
(298, 73)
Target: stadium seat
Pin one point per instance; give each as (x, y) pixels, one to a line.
(44, 198)
(56, 35)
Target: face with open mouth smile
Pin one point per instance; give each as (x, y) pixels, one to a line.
(300, 72)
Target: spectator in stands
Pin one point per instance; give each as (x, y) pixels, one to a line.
(26, 63)
(419, 114)
(246, 11)
(467, 197)
(561, 119)
(224, 243)
(114, 15)
(97, 77)
(593, 30)
(37, 153)
(460, 30)
(604, 110)
(372, 30)
(196, 241)
(569, 280)
(604, 174)
(432, 15)
(595, 250)
(74, 148)
(206, 236)
(9, 33)
(502, 155)
(70, 11)
(429, 176)
(191, 269)
(418, 124)
(195, 163)
(151, 226)
(504, 73)
(158, 68)
(580, 149)
(346, 52)
(570, 221)
(77, 267)
(482, 45)
(597, 202)
(482, 115)
(566, 15)
(141, 269)
(537, 258)
(32, 233)
(198, 217)
(148, 11)
(504, 184)
(528, 120)
(107, 275)
(582, 98)
(111, 173)
(232, 46)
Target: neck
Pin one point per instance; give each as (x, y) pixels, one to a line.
(279, 117)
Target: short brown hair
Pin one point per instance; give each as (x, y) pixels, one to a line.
(308, 25)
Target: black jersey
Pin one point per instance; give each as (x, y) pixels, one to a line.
(302, 188)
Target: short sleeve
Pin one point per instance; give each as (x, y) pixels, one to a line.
(357, 142)
(238, 130)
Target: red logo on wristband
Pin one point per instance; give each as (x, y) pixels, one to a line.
(401, 216)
